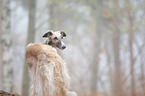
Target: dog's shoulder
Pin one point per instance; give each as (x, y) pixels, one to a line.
(35, 49)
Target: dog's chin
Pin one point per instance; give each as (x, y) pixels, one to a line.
(60, 48)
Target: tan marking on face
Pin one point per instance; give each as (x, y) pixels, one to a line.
(56, 34)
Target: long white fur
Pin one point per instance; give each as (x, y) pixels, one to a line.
(42, 70)
(42, 77)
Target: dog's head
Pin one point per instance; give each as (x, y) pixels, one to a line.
(55, 39)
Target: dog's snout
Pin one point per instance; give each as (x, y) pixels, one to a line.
(63, 47)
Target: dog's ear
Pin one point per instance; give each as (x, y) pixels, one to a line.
(63, 34)
(48, 34)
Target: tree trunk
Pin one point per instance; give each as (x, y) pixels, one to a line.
(30, 39)
(52, 15)
(142, 75)
(117, 72)
(130, 18)
(1, 67)
(131, 59)
(109, 63)
(7, 47)
(116, 51)
(96, 38)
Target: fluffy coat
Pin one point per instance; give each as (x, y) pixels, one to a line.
(47, 71)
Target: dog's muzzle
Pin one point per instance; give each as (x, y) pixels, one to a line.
(61, 45)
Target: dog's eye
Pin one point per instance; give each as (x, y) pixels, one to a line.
(55, 38)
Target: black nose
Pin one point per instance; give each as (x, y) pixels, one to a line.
(63, 47)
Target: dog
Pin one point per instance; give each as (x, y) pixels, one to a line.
(47, 70)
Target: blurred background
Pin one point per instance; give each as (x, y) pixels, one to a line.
(105, 41)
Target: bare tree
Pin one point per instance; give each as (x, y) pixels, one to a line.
(142, 75)
(7, 46)
(52, 14)
(130, 34)
(1, 77)
(30, 39)
(116, 51)
(96, 39)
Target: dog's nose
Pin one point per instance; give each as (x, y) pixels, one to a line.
(63, 47)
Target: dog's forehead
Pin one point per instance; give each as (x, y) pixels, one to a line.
(57, 33)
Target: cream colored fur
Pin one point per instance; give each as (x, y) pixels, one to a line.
(47, 71)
